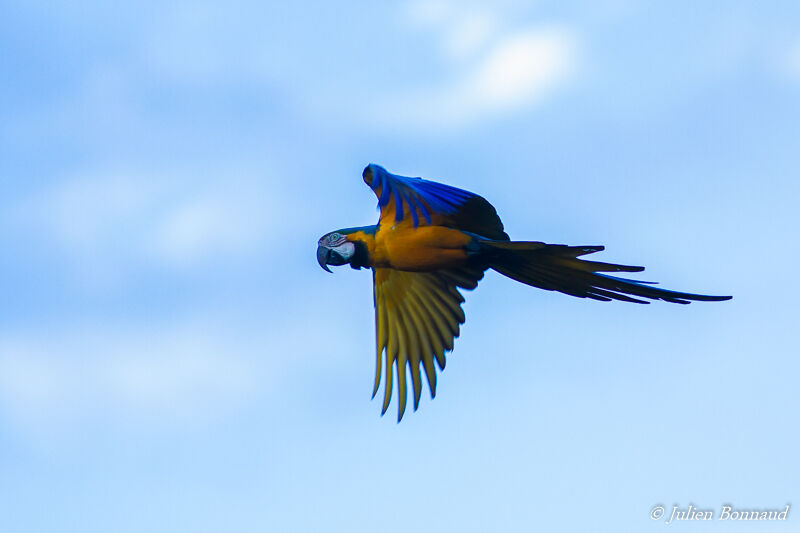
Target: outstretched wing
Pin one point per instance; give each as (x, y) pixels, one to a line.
(417, 317)
(421, 202)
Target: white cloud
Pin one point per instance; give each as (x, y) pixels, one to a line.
(517, 71)
(468, 33)
(89, 211)
(428, 13)
(213, 222)
(187, 372)
(491, 66)
(110, 222)
(523, 67)
(792, 61)
(461, 28)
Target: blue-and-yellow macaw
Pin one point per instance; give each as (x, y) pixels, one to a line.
(433, 239)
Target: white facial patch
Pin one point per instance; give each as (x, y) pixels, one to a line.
(346, 249)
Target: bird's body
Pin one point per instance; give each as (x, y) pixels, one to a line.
(433, 239)
(421, 249)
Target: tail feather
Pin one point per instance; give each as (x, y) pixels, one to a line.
(556, 267)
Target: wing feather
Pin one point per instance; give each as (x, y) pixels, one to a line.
(425, 350)
(417, 201)
(438, 317)
(380, 334)
(414, 355)
(417, 317)
(430, 331)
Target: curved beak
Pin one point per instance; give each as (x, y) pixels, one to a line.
(322, 257)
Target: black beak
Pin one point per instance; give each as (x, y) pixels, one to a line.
(326, 256)
(323, 254)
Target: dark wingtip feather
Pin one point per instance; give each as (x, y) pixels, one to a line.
(707, 298)
(583, 250)
(385, 406)
(400, 412)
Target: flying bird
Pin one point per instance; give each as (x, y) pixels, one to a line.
(432, 240)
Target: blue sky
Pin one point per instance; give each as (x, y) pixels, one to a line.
(173, 358)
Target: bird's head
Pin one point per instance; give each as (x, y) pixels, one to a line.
(334, 249)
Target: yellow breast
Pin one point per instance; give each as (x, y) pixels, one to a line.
(420, 249)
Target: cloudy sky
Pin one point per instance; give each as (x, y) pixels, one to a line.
(172, 358)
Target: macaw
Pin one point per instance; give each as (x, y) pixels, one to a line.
(432, 240)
